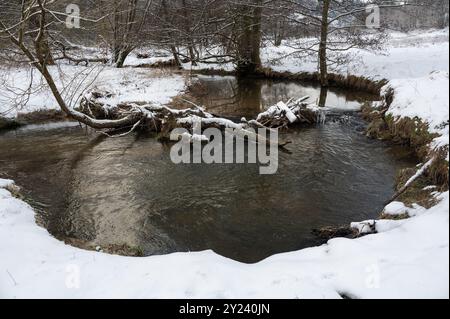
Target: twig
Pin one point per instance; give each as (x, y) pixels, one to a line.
(12, 278)
(408, 184)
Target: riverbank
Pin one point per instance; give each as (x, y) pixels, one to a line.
(406, 258)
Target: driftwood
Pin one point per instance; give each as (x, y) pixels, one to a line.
(411, 181)
(355, 230)
(294, 112)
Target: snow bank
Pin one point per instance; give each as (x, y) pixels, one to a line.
(5, 183)
(425, 98)
(406, 55)
(407, 259)
(395, 209)
(125, 85)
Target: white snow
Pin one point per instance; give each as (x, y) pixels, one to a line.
(134, 60)
(416, 65)
(365, 227)
(404, 56)
(191, 120)
(5, 183)
(125, 85)
(279, 110)
(406, 259)
(425, 98)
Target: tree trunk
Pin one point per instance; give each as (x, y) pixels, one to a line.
(192, 55)
(323, 44)
(173, 46)
(323, 96)
(249, 59)
(176, 57)
(257, 34)
(43, 51)
(120, 55)
(279, 32)
(187, 24)
(42, 47)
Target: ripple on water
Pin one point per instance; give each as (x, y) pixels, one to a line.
(127, 191)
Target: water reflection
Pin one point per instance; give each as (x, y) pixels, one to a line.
(234, 97)
(323, 97)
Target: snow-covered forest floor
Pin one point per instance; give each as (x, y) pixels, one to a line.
(405, 259)
(124, 85)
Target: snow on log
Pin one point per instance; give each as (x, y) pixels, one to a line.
(162, 119)
(282, 115)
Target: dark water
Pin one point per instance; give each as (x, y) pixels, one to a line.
(127, 191)
(232, 97)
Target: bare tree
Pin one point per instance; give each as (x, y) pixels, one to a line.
(38, 59)
(248, 35)
(340, 26)
(126, 21)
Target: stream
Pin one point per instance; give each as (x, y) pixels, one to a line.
(127, 192)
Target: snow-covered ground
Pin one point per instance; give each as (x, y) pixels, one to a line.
(406, 259)
(425, 98)
(125, 85)
(404, 56)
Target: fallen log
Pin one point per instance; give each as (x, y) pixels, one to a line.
(163, 120)
(355, 230)
(411, 181)
(293, 112)
(330, 232)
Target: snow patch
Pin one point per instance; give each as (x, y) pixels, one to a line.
(395, 209)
